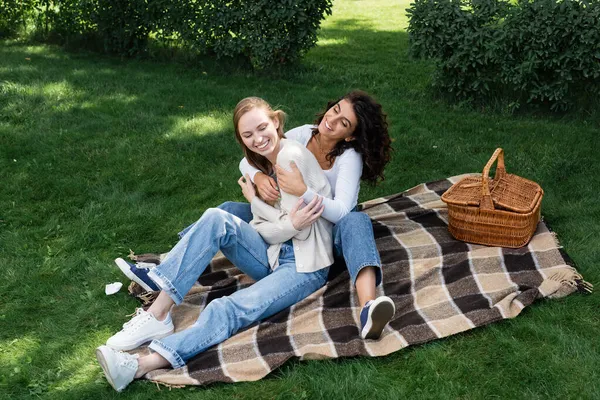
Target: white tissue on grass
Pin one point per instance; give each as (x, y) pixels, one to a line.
(113, 288)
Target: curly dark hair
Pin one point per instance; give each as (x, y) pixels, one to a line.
(371, 136)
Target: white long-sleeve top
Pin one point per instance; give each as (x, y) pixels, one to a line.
(313, 246)
(343, 176)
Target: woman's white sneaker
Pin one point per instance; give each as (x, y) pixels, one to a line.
(119, 368)
(142, 328)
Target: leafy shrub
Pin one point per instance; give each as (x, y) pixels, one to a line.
(262, 31)
(70, 21)
(123, 25)
(116, 26)
(14, 15)
(430, 31)
(539, 52)
(552, 51)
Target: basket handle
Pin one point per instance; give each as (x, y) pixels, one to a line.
(486, 200)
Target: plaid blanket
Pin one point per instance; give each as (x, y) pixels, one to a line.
(440, 286)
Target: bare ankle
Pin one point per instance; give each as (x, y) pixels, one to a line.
(160, 316)
(139, 373)
(149, 363)
(142, 367)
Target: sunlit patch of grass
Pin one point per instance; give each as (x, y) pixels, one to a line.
(198, 126)
(16, 358)
(79, 367)
(330, 42)
(17, 352)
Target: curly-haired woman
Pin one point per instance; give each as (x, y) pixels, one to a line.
(351, 143)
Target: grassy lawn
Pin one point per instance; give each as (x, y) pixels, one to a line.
(100, 155)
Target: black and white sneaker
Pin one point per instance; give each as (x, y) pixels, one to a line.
(375, 315)
(136, 274)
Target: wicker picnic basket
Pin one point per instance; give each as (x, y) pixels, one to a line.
(503, 211)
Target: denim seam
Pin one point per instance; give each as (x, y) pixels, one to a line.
(248, 249)
(291, 290)
(252, 252)
(190, 264)
(375, 254)
(363, 265)
(170, 287)
(337, 243)
(178, 360)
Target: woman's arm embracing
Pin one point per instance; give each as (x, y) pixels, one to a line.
(295, 218)
(313, 176)
(347, 186)
(275, 226)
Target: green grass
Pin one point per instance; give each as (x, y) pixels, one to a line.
(100, 155)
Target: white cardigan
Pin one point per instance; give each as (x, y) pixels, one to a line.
(313, 246)
(344, 177)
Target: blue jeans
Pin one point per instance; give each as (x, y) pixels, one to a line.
(240, 210)
(353, 239)
(223, 317)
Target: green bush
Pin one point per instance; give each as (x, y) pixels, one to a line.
(262, 31)
(539, 52)
(14, 15)
(70, 22)
(116, 26)
(123, 25)
(552, 52)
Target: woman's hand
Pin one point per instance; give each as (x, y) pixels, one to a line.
(306, 216)
(291, 181)
(267, 188)
(247, 188)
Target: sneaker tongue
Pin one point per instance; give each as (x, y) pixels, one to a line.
(135, 321)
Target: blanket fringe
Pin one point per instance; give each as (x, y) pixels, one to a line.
(570, 281)
(168, 385)
(584, 286)
(145, 297)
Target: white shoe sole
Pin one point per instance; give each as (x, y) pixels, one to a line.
(135, 345)
(104, 365)
(380, 313)
(124, 267)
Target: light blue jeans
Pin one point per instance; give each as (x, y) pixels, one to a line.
(274, 290)
(353, 239)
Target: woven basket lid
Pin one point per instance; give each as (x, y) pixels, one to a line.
(511, 192)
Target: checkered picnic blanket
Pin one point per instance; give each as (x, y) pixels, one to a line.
(440, 286)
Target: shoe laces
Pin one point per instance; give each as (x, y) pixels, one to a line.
(140, 317)
(145, 265)
(129, 361)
